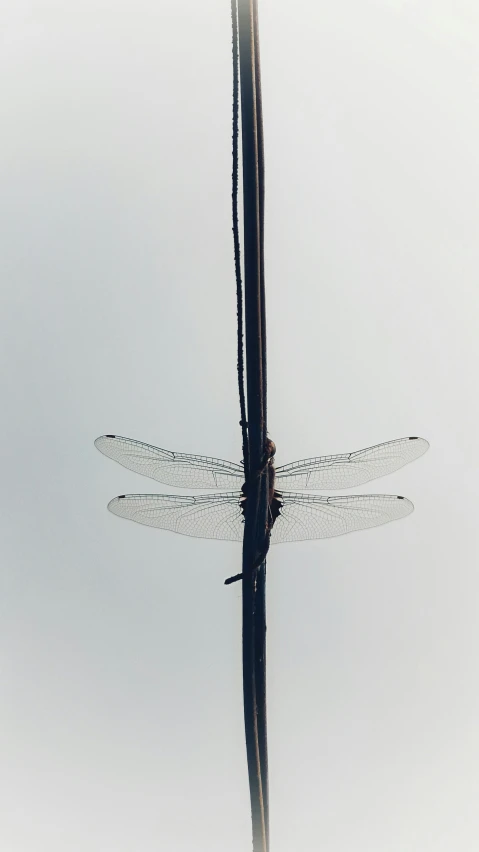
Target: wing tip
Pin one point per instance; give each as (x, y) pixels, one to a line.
(101, 439)
(423, 441)
(408, 504)
(114, 501)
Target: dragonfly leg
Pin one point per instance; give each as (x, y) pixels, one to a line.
(256, 565)
(233, 579)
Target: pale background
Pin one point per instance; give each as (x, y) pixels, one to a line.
(121, 703)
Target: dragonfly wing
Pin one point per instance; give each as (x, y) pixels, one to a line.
(350, 469)
(179, 469)
(304, 516)
(204, 516)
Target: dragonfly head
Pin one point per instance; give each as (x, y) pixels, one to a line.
(270, 448)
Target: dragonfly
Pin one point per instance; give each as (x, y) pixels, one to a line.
(293, 515)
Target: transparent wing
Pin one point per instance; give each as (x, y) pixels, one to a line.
(204, 516)
(349, 469)
(180, 469)
(302, 517)
(308, 516)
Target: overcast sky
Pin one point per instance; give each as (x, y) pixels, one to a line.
(121, 724)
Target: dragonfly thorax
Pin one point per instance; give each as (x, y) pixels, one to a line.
(275, 499)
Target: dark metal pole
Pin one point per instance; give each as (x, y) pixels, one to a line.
(256, 476)
(260, 686)
(252, 236)
(260, 602)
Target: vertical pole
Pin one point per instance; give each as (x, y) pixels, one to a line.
(251, 235)
(260, 601)
(257, 479)
(260, 687)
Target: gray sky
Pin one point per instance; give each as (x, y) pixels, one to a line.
(121, 709)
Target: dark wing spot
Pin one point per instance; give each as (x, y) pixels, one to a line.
(415, 438)
(400, 498)
(121, 496)
(110, 436)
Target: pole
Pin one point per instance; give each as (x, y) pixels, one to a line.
(254, 623)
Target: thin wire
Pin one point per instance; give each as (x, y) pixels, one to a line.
(236, 240)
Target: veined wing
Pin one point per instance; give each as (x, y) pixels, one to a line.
(302, 516)
(203, 516)
(310, 516)
(349, 469)
(180, 469)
